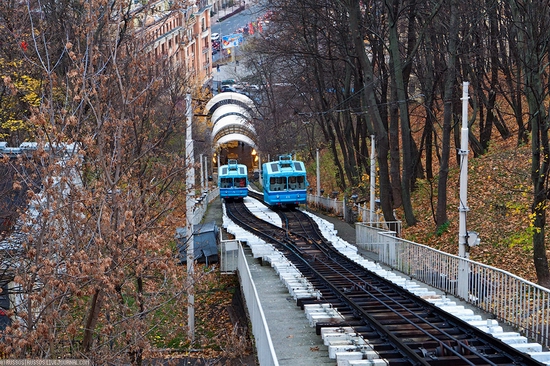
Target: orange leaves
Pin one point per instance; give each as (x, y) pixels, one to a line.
(499, 202)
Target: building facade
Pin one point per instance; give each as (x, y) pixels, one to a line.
(180, 37)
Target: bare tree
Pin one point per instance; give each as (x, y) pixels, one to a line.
(97, 275)
(533, 43)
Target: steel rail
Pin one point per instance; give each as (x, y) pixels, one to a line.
(326, 258)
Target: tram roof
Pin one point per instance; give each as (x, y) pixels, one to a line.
(285, 167)
(233, 170)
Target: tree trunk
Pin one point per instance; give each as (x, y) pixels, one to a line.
(373, 112)
(400, 92)
(91, 320)
(536, 21)
(441, 212)
(395, 155)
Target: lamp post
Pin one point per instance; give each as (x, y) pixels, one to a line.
(354, 199)
(205, 188)
(202, 172)
(372, 179)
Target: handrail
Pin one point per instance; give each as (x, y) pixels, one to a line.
(352, 212)
(511, 299)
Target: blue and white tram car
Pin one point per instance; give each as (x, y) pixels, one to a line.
(284, 182)
(233, 180)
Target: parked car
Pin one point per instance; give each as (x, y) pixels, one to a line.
(230, 82)
(215, 37)
(228, 88)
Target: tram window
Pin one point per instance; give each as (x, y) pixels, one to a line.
(242, 182)
(226, 183)
(292, 183)
(281, 181)
(272, 184)
(301, 183)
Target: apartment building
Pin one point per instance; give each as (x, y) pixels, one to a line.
(180, 36)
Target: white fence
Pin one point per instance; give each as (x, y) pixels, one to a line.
(513, 300)
(331, 205)
(262, 338)
(352, 212)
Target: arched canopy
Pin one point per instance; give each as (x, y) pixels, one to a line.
(229, 98)
(233, 122)
(230, 109)
(231, 116)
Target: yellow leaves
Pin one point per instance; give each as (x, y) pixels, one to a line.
(13, 125)
(30, 88)
(23, 94)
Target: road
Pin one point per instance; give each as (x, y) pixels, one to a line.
(233, 23)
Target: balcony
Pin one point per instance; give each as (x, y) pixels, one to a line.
(191, 20)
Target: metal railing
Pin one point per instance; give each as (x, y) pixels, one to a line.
(352, 212)
(330, 205)
(511, 299)
(264, 345)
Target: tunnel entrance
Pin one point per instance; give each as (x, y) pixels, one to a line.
(233, 134)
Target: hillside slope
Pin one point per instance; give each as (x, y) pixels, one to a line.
(499, 198)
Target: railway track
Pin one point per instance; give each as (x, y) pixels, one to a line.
(401, 327)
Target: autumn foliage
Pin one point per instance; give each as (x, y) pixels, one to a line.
(95, 274)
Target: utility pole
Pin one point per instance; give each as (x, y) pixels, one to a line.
(465, 238)
(190, 206)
